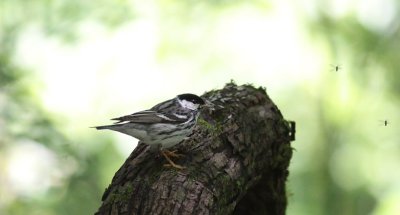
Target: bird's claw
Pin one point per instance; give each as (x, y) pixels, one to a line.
(173, 154)
(174, 165)
(167, 155)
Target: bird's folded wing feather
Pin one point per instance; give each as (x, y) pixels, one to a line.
(149, 117)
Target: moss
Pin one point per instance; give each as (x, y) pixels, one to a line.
(240, 184)
(122, 194)
(154, 175)
(213, 129)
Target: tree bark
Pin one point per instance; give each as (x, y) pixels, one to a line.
(236, 163)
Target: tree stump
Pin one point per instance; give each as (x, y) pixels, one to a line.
(236, 163)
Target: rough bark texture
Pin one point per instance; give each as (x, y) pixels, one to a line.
(236, 163)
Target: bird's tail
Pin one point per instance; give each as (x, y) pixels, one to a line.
(104, 127)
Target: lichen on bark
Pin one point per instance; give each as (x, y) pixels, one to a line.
(236, 163)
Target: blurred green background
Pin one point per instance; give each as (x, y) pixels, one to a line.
(66, 65)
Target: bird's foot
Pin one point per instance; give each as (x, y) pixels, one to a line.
(173, 154)
(174, 165)
(170, 163)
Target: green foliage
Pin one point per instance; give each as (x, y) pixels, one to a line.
(23, 118)
(62, 17)
(345, 163)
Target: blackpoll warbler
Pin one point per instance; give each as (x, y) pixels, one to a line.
(164, 125)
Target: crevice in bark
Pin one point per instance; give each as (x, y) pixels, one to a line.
(236, 163)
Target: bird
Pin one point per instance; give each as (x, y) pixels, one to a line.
(164, 125)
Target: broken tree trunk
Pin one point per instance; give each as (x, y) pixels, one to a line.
(236, 163)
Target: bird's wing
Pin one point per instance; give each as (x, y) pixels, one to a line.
(150, 117)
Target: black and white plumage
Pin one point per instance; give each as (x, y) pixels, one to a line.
(165, 124)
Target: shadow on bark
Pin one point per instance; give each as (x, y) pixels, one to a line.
(236, 163)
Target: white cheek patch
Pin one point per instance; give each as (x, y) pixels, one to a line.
(188, 104)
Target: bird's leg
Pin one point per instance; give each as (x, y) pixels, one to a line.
(171, 163)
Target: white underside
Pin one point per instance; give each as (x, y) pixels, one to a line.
(145, 135)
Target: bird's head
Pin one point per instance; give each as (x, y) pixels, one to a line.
(190, 101)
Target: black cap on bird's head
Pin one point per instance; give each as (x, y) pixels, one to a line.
(191, 98)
